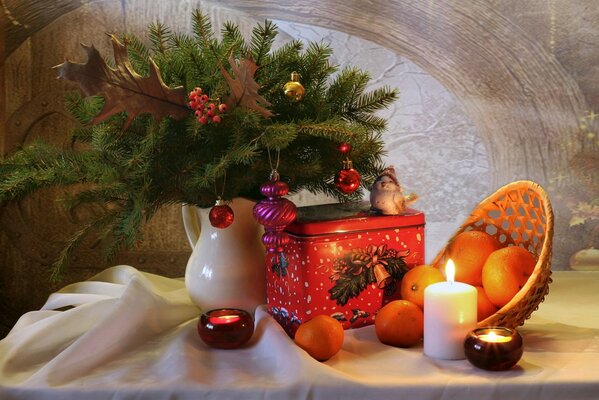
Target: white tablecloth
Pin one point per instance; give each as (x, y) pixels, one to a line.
(131, 335)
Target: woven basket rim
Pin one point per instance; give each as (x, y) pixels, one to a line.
(543, 264)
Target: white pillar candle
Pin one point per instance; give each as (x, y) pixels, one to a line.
(449, 314)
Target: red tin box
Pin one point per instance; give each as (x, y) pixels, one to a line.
(343, 261)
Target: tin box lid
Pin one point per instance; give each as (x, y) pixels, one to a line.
(348, 217)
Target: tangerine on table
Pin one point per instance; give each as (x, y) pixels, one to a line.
(416, 280)
(485, 308)
(469, 250)
(321, 337)
(399, 323)
(505, 272)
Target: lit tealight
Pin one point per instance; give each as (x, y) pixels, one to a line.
(226, 328)
(493, 349)
(493, 337)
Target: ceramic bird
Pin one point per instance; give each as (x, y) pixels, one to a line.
(386, 194)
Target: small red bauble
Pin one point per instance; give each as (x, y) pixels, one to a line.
(347, 180)
(221, 215)
(344, 148)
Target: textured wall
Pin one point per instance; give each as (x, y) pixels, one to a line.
(490, 92)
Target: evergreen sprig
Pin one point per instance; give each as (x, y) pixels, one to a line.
(133, 172)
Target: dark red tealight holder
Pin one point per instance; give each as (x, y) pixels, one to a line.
(493, 348)
(226, 328)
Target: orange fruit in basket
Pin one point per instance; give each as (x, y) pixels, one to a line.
(505, 272)
(321, 337)
(484, 306)
(469, 250)
(416, 280)
(399, 323)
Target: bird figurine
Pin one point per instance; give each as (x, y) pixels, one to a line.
(386, 194)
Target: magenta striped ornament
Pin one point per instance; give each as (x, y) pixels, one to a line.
(275, 213)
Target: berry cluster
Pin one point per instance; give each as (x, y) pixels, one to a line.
(205, 111)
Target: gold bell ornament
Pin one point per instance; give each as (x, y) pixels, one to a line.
(293, 89)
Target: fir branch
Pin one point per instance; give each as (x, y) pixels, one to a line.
(125, 232)
(38, 166)
(369, 121)
(202, 28)
(113, 193)
(341, 93)
(335, 130)
(81, 135)
(359, 82)
(82, 109)
(316, 68)
(75, 241)
(279, 136)
(139, 54)
(159, 36)
(207, 176)
(233, 40)
(376, 100)
(244, 154)
(288, 52)
(263, 36)
(180, 41)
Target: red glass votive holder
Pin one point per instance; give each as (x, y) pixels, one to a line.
(226, 328)
(493, 348)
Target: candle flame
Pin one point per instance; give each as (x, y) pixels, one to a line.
(224, 319)
(450, 271)
(493, 337)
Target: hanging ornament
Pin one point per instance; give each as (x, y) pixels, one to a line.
(347, 180)
(275, 213)
(293, 89)
(221, 215)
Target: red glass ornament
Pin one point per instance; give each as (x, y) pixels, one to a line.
(344, 148)
(226, 328)
(275, 213)
(221, 215)
(347, 179)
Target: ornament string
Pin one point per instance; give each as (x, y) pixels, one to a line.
(222, 192)
(274, 171)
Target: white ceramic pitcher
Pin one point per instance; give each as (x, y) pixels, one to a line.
(226, 267)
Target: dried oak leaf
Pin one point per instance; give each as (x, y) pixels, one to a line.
(244, 89)
(124, 89)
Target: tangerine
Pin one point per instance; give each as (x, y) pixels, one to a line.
(416, 280)
(321, 337)
(484, 306)
(505, 272)
(469, 250)
(399, 323)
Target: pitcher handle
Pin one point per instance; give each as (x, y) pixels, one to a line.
(191, 223)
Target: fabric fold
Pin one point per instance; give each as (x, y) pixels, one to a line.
(107, 319)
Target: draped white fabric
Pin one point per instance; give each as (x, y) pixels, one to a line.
(125, 334)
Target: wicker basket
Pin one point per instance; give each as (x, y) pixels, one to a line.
(517, 214)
